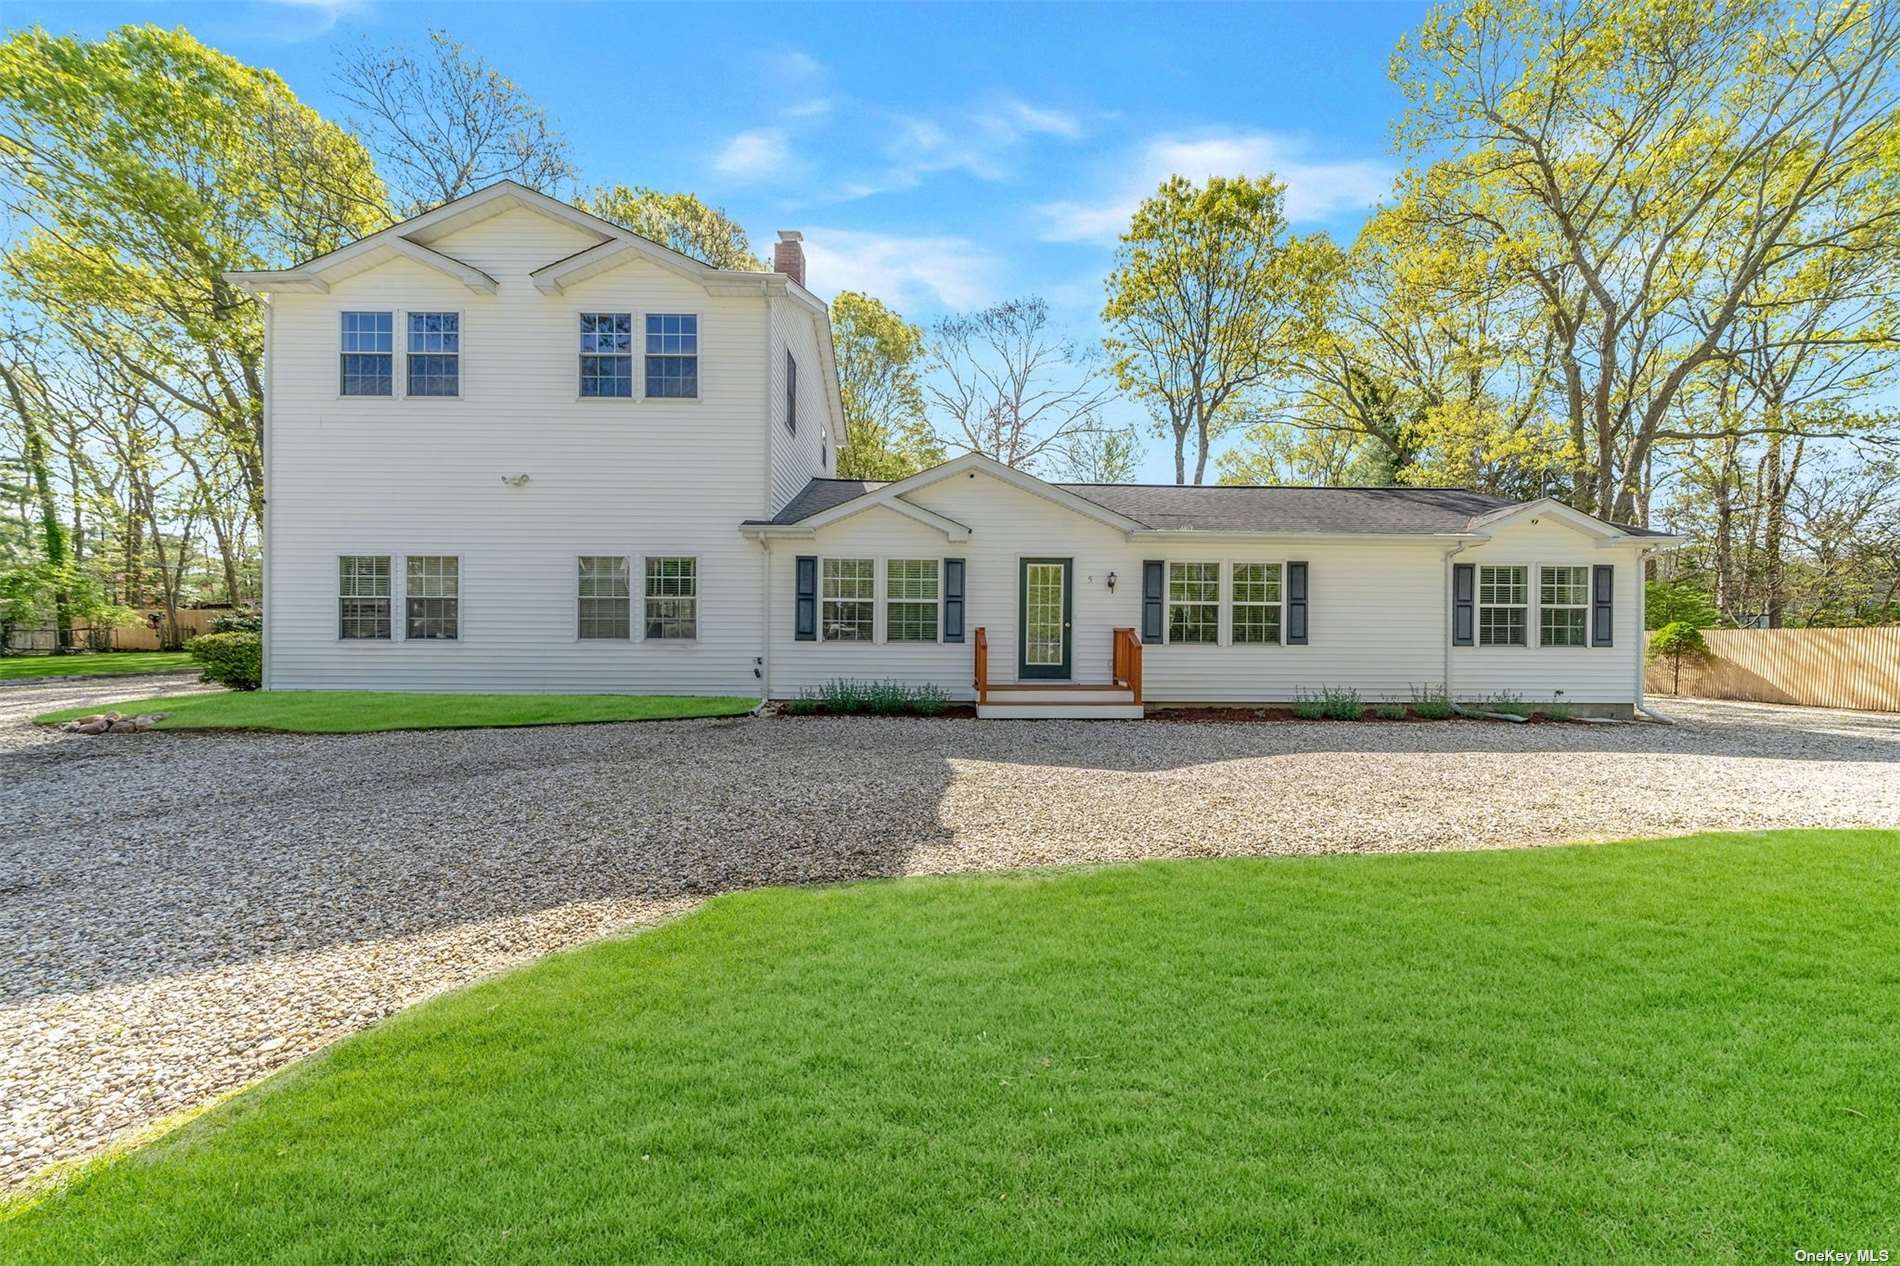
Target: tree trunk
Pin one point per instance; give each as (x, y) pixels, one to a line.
(52, 531)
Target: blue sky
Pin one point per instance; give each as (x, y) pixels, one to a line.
(938, 156)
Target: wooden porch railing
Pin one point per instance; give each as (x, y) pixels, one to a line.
(1126, 660)
(982, 665)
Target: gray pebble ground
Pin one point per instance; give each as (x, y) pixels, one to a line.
(181, 914)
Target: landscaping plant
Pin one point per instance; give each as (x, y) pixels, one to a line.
(1676, 641)
(230, 659)
(1431, 703)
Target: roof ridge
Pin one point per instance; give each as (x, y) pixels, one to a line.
(1074, 483)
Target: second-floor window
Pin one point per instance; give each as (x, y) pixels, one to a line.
(434, 358)
(607, 354)
(672, 355)
(791, 392)
(368, 353)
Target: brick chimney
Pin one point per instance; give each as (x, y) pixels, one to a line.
(788, 256)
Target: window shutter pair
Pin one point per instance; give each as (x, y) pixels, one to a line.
(1154, 589)
(805, 608)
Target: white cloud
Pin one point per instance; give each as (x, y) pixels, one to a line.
(1316, 188)
(983, 141)
(794, 63)
(814, 108)
(1038, 119)
(758, 154)
(312, 18)
(901, 270)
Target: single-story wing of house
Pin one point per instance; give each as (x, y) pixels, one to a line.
(1044, 599)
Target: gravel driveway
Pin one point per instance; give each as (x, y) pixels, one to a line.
(181, 914)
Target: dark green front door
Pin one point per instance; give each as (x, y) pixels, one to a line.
(1045, 607)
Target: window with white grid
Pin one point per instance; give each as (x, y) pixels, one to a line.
(848, 596)
(910, 600)
(362, 596)
(672, 599)
(1503, 605)
(434, 359)
(1563, 606)
(1256, 603)
(432, 597)
(606, 598)
(1194, 602)
(607, 355)
(672, 355)
(367, 353)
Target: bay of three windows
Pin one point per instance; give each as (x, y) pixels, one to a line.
(432, 354)
(432, 585)
(1563, 605)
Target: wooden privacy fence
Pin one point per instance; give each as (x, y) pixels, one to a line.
(1821, 668)
(42, 638)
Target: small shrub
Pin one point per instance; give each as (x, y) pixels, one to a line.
(1509, 703)
(1676, 641)
(846, 697)
(804, 705)
(1556, 710)
(1329, 703)
(1389, 711)
(230, 659)
(238, 622)
(1431, 703)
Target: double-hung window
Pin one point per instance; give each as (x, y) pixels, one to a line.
(849, 599)
(432, 597)
(791, 392)
(607, 354)
(672, 598)
(1194, 602)
(434, 354)
(672, 355)
(1256, 603)
(1503, 605)
(367, 354)
(362, 597)
(910, 600)
(606, 598)
(1563, 606)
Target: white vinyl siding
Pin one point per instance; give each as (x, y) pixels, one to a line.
(375, 476)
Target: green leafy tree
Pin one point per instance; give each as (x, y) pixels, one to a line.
(142, 167)
(879, 354)
(1680, 601)
(1654, 174)
(1207, 293)
(1676, 642)
(677, 220)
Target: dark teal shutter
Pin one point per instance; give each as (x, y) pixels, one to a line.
(953, 599)
(1296, 604)
(806, 626)
(1464, 581)
(1603, 605)
(1154, 582)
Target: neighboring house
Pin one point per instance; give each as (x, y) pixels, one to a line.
(510, 446)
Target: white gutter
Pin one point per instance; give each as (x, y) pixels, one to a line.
(1451, 610)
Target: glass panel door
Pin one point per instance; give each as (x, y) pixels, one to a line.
(1045, 617)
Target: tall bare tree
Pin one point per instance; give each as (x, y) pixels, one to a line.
(1003, 382)
(443, 122)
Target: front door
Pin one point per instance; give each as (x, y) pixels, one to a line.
(1044, 610)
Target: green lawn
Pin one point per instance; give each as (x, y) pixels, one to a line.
(363, 711)
(100, 664)
(1677, 1050)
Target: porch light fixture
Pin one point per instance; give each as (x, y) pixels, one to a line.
(1111, 582)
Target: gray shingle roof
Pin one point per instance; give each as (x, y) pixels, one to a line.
(1229, 508)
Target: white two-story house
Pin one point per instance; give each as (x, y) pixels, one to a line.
(512, 447)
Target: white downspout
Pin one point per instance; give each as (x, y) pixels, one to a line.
(1451, 612)
(765, 639)
(1642, 653)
